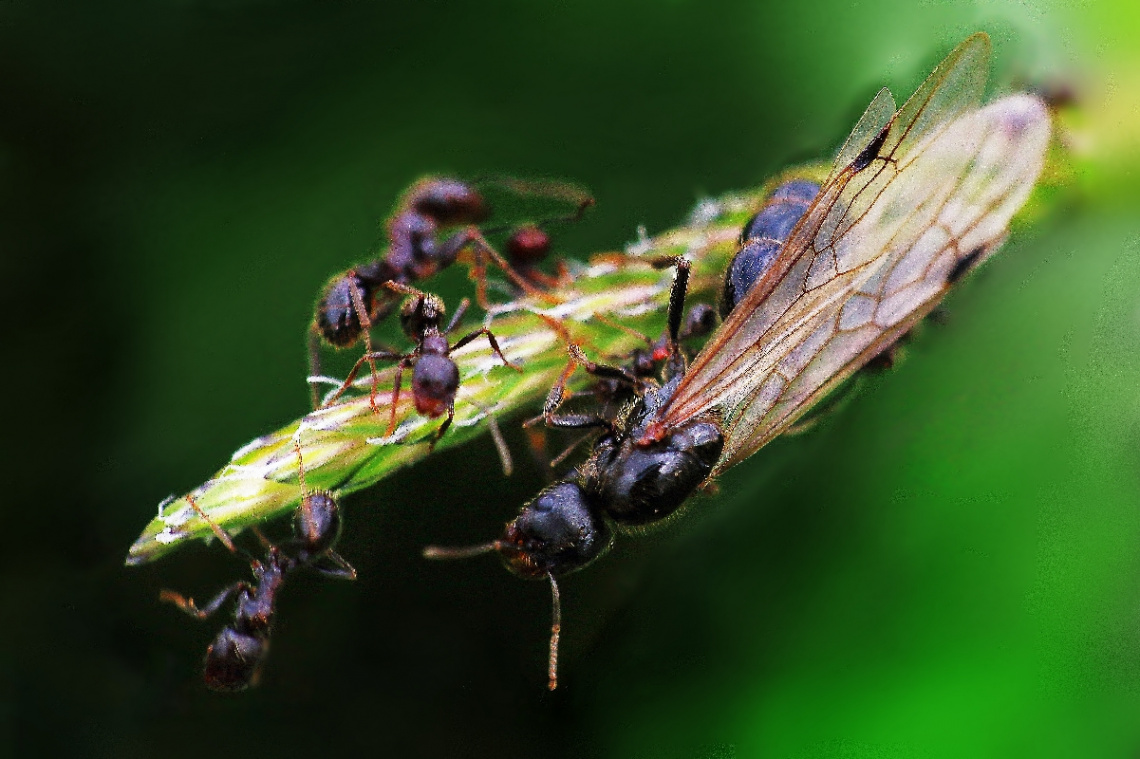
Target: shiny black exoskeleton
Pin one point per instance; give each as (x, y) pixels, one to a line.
(435, 377)
(236, 655)
(635, 475)
(762, 238)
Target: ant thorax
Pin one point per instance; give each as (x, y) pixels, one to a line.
(638, 482)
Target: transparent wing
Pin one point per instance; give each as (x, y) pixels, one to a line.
(808, 274)
(939, 164)
(1001, 151)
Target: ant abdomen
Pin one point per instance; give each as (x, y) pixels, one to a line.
(448, 201)
(338, 318)
(233, 660)
(435, 381)
(528, 246)
(763, 237)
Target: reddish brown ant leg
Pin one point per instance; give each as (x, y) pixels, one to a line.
(443, 427)
(474, 238)
(500, 446)
(619, 326)
(491, 339)
(398, 384)
(366, 333)
(459, 312)
(558, 394)
(188, 606)
(400, 287)
(366, 358)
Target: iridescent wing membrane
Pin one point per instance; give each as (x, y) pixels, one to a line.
(914, 195)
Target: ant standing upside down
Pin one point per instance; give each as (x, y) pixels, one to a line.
(235, 657)
(354, 300)
(435, 377)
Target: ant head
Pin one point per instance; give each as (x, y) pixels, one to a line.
(233, 661)
(527, 246)
(317, 523)
(420, 314)
(556, 533)
(447, 201)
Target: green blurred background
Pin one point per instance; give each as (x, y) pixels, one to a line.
(948, 568)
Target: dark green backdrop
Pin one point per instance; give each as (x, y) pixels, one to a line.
(949, 568)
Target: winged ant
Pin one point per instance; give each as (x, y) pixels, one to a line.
(235, 657)
(621, 484)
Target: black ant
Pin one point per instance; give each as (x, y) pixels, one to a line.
(639, 471)
(235, 657)
(356, 299)
(435, 377)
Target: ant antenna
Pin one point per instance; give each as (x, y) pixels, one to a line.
(501, 446)
(555, 631)
(223, 536)
(465, 552)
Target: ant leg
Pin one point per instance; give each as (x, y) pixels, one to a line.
(265, 542)
(557, 395)
(366, 333)
(473, 238)
(398, 384)
(501, 446)
(491, 339)
(367, 357)
(619, 326)
(403, 289)
(341, 569)
(557, 460)
(188, 606)
(677, 293)
(459, 312)
(565, 192)
(443, 427)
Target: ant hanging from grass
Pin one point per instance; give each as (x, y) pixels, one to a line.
(353, 301)
(435, 377)
(235, 657)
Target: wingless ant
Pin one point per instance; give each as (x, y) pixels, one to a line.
(236, 655)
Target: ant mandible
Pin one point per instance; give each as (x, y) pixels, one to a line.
(435, 376)
(354, 300)
(236, 655)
